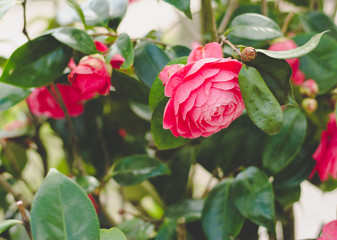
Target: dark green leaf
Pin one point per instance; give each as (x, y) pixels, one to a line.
(276, 73)
(318, 22)
(96, 12)
(149, 61)
(244, 145)
(14, 158)
(157, 89)
(2, 61)
(182, 5)
(112, 234)
(61, 210)
(287, 196)
(138, 168)
(87, 183)
(189, 209)
(137, 229)
(220, 218)
(177, 51)
(254, 198)
(254, 27)
(74, 4)
(163, 138)
(168, 230)
(129, 87)
(11, 95)
(117, 12)
(75, 38)
(282, 148)
(124, 47)
(320, 64)
(6, 224)
(5, 5)
(262, 107)
(296, 52)
(36, 63)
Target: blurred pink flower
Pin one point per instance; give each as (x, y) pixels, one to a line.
(329, 231)
(42, 103)
(309, 88)
(326, 152)
(204, 94)
(287, 44)
(117, 61)
(91, 76)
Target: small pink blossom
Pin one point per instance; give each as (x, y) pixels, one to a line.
(204, 94)
(117, 61)
(42, 103)
(287, 44)
(91, 76)
(326, 152)
(329, 231)
(309, 88)
(101, 47)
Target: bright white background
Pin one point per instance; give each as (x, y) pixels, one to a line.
(314, 209)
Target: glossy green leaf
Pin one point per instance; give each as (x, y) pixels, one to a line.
(149, 61)
(6, 224)
(276, 73)
(282, 148)
(129, 87)
(14, 158)
(189, 209)
(138, 168)
(296, 52)
(137, 229)
(96, 12)
(320, 64)
(254, 27)
(244, 146)
(163, 138)
(36, 63)
(112, 234)
(124, 47)
(75, 38)
(157, 89)
(315, 21)
(177, 51)
(62, 210)
(6, 5)
(11, 95)
(87, 183)
(182, 5)
(287, 196)
(254, 198)
(74, 4)
(261, 105)
(220, 218)
(2, 61)
(168, 230)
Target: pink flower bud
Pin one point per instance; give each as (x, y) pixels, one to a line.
(117, 61)
(309, 105)
(91, 76)
(329, 231)
(309, 88)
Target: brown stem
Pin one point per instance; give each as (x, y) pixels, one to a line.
(224, 40)
(288, 224)
(334, 13)
(8, 188)
(287, 22)
(132, 39)
(264, 7)
(24, 30)
(78, 164)
(181, 230)
(314, 5)
(232, 6)
(25, 218)
(208, 26)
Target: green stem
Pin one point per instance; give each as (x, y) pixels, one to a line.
(78, 164)
(288, 225)
(25, 219)
(232, 6)
(264, 7)
(208, 26)
(24, 30)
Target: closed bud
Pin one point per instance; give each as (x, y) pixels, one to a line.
(248, 54)
(309, 88)
(309, 105)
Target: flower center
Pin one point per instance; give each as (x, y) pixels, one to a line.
(217, 110)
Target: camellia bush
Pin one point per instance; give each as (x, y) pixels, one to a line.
(106, 136)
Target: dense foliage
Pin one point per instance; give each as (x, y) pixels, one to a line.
(105, 136)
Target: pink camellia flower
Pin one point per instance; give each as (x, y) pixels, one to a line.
(287, 44)
(42, 103)
(326, 152)
(116, 61)
(101, 47)
(329, 231)
(91, 76)
(204, 94)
